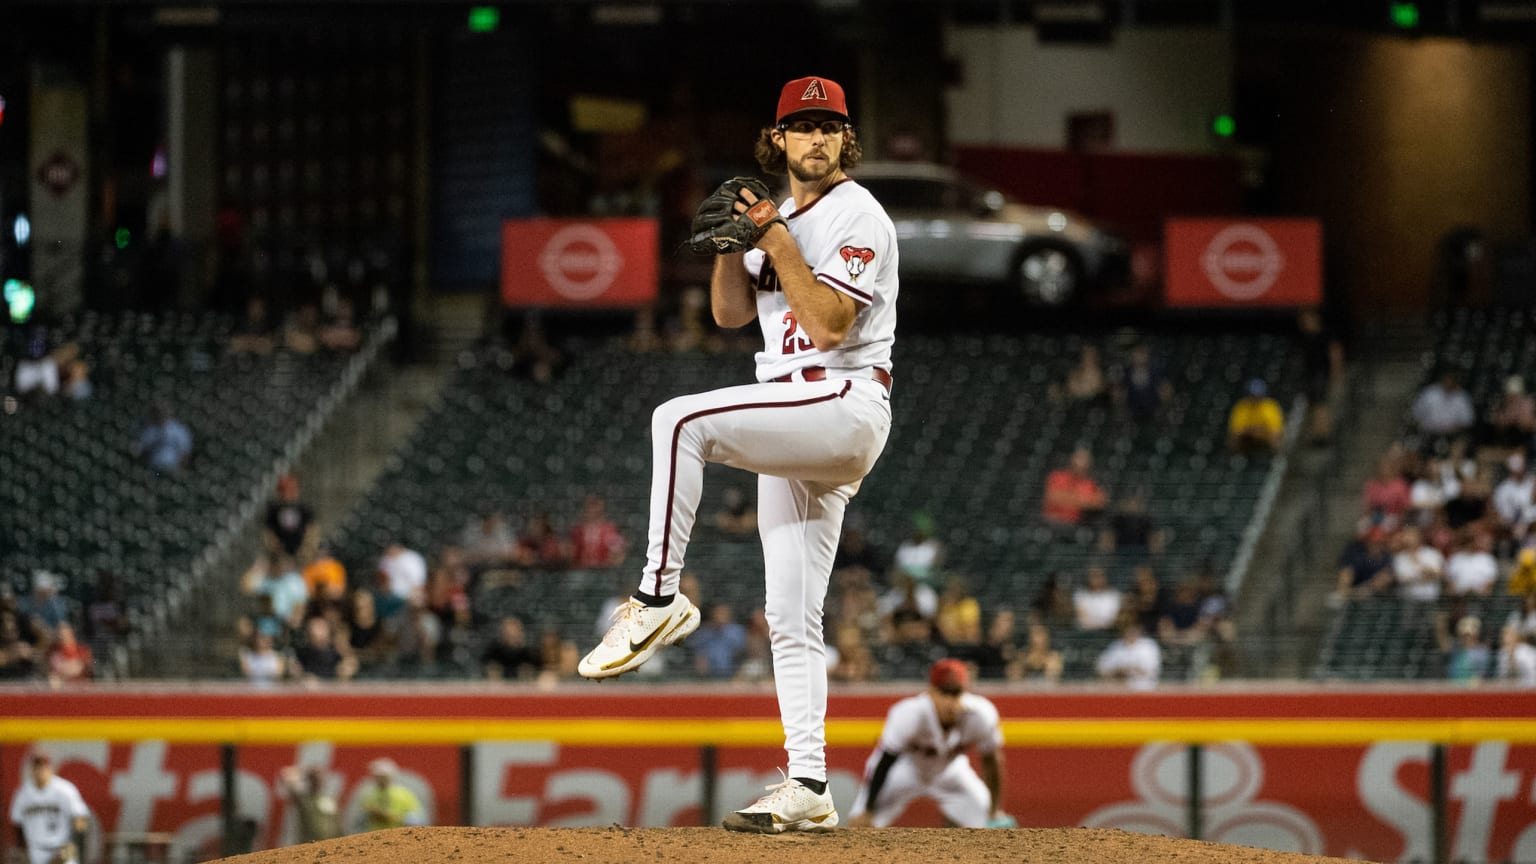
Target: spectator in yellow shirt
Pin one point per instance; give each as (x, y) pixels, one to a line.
(1256, 422)
(1522, 579)
(959, 615)
(387, 804)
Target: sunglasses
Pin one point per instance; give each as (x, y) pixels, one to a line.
(807, 127)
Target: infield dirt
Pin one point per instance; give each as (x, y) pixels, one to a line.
(616, 845)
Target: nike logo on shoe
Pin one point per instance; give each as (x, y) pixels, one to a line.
(779, 820)
(619, 652)
(637, 647)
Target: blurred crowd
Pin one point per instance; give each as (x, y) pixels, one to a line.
(46, 634)
(889, 609)
(68, 626)
(309, 620)
(902, 608)
(44, 363)
(1447, 519)
(306, 618)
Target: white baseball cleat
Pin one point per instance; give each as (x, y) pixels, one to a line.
(788, 806)
(638, 632)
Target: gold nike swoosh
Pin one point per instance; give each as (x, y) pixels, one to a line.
(817, 819)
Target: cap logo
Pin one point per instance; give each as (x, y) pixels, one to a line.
(814, 92)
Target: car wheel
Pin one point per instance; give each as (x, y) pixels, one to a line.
(1048, 276)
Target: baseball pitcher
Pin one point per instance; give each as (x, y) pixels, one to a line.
(922, 752)
(818, 274)
(50, 815)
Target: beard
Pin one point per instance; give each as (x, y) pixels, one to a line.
(807, 171)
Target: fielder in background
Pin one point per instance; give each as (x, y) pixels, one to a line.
(818, 274)
(388, 803)
(922, 753)
(50, 816)
(319, 817)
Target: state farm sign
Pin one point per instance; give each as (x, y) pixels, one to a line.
(1259, 262)
(578, 262)
(1371, 802)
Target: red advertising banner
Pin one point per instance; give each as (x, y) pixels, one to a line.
(1371, 802)
(587, 263)
(590, 760)
(1243, 263)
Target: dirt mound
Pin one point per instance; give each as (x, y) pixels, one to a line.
(716, 846)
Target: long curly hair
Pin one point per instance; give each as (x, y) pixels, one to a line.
(773, 160)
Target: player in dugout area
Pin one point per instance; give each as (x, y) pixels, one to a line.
(922, 753)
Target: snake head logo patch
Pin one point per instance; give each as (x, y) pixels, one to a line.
(857, 258)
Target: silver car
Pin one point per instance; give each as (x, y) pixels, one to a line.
(952, 230)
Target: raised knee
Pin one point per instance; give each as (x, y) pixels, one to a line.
(666, 417)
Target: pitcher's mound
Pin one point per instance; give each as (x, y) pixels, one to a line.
(717, 846)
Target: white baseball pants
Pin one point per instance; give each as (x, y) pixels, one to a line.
(962, 796)
(811, 443)
(39, 855)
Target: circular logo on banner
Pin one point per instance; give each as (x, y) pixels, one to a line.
(59, 173)
(1242, 261)
(580, 261)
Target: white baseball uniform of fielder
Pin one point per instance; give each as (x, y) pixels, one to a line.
(46, 815)
(931, 761)
(809, 441)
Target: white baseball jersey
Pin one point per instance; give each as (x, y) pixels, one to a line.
(47, 815)
(931, 761)
(850, 245)
(811, 443)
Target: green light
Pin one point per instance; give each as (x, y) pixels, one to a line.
(1405, 15)
(122, 238)
(1224, 125)
(484, 19)
(20, 298)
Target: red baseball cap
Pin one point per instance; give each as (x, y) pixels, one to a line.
(812, 94)
(949, 675)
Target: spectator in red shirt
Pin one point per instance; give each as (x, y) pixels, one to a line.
(1387, 492)
(1072, 496)
(596, 541)
(540, 546)
(68, 659)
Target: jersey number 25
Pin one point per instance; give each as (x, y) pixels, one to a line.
(792, 343)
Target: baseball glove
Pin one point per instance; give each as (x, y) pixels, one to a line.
(718, 228)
